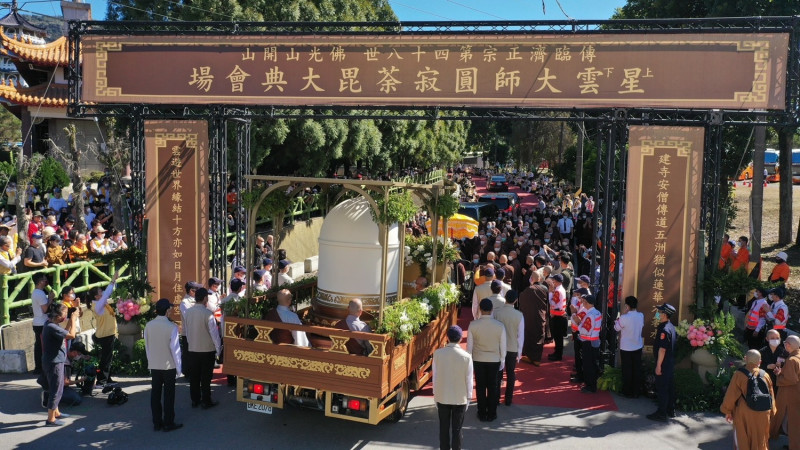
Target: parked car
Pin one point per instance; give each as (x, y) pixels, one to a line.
(497, 183)
(796, 178)
(505, 201)
(478, 210)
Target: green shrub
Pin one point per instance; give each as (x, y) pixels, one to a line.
(690, 391)
(51, 174)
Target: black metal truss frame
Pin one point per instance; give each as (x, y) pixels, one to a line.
(613, 123)
(610, 185)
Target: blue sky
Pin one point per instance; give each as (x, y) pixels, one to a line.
(432, 9)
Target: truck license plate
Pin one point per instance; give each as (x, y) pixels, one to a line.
(259, 408)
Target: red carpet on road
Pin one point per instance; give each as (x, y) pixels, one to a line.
(527, 200)
(546, 385)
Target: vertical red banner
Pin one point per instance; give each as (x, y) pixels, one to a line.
(665, 167)
(176, 206)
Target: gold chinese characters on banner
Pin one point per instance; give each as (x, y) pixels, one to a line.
(176, 178)
(735, 71)
(665, 167)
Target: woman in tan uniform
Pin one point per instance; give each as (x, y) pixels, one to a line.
(751, 428)
(789, 394)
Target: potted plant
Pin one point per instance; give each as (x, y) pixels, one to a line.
(710, 341)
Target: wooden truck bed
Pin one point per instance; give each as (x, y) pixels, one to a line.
(251, 354)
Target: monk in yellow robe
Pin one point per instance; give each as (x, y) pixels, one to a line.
(788, 381)
(751, 428)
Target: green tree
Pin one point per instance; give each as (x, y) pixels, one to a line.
(10, 129)
(648, 9)
(315, 147)
(51, 174)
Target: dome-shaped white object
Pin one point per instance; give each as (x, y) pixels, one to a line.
(350, 261)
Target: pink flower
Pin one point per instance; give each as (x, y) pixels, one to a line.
(719, 332)
(703, 329)
(709, 333)
(127, 317)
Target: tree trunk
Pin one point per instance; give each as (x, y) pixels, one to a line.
(757, 194)
(785, 160)
(77, 179)
(23, 181)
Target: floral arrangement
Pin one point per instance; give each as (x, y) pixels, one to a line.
(438, 297)
(419, 250)
(130, 308)
(404, 319)
(715, 334)
(699, 333)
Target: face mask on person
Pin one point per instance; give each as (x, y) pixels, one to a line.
(774, 342)
(547, 221)
(475, 261)
(565, 243)
(658, 316)
(510, 258)
(547, 241)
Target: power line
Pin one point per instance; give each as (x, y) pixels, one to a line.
(199, 9)
(476, 10)
(145, 11)
(420, 10)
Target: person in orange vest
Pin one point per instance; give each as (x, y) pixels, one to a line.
(726, 253)
(558, 316)
(756, 320)
(780, 273)
(589, 330)
(742, 256)
(779, 312)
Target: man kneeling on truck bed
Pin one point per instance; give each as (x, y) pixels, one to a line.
(353, 322)
(284, 314)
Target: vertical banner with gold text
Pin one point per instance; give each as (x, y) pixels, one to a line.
(664, 184)
(176, 205)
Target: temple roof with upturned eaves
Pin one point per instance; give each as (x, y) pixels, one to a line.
(56, 95)
(52, 54)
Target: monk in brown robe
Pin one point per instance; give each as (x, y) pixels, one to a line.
(533, 306)
(751, 428)
(789, 394)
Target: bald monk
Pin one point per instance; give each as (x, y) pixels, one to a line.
(751, 428)
(789, 394)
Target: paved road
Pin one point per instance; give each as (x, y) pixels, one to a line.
(96, 424)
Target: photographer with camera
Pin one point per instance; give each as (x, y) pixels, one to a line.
(54, 356)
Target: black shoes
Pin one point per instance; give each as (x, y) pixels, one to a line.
(657, 416)
(157, 427)
(172, 426)
(588, 390)
(210, 404)
(194, 404)
(576, 380)
(554, 357)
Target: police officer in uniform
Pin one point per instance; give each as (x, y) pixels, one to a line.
(664, 352)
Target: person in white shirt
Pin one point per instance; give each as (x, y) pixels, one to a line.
(283, 275)
(164, 361)
(202, 336)
(514, 323)
(452, 387)
(565, 226)
(40, 302)
(213, 304)
(630, 326)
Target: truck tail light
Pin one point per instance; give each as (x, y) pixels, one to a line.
(258, 389)
(354, 404)
(275, 397)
